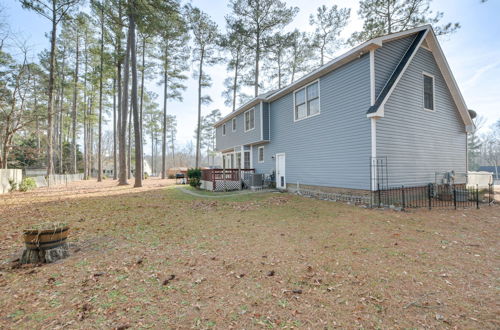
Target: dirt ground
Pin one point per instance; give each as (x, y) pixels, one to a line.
(156, 257)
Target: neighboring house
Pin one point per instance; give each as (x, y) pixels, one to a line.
(108, 168)
(388, 111)
(492, 169)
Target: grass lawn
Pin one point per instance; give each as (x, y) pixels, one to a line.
(156, 257)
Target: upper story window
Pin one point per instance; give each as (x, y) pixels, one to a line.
(223, 129)
(250, 120)
(233, 123)
(428, 92)
(307, 101)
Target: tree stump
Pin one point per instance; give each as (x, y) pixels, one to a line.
(46, 243)
(39, 256)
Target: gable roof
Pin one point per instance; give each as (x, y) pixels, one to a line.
(423, 33)
(396, 75)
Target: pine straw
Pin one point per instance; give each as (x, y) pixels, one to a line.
(158, 258)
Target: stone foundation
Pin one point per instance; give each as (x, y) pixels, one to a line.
(356, 196)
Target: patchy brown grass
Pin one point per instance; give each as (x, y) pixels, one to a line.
(157, 257)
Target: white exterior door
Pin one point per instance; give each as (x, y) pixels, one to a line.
(280, 171)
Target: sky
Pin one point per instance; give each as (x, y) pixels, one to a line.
(473, 52)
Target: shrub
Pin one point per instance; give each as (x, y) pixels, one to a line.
(146, 175)
(194, 175)
(27, 184)
(13, 185)
(171, 176)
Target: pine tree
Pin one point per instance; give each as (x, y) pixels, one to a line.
(235, 44)
(174, 56)
(206, 38)
(261, 19)
(389, 16)
(277, 64)
(55, 11)
(328, 23)
(300, 55)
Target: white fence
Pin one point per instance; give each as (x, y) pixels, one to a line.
(479, 179)
(56, 179)
(41, 181)
(7, 175)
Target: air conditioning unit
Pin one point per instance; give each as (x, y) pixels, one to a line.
(256, 180)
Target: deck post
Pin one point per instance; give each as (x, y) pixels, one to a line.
(224, 176)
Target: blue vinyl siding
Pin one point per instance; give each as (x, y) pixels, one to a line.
(240, 137)
(418, 142)
(332, 148)
(387, 59)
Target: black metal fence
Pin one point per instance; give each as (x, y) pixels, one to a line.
(432, 195)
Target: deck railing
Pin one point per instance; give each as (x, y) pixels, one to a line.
(229, 175)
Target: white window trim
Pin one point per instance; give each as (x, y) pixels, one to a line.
(233, 126)
(433, 91)
(245, 121)
(319, 100)
(224, 129)
(258, 154)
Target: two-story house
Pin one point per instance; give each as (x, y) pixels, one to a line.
(389, 110)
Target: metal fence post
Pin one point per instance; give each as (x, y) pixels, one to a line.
(454, 197)
(378, 189)
(403, 197)
(477, 196)
(491, 193)
(429, 195)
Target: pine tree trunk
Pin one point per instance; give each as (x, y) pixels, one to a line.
(135, 107)
(99, 143)
(142, 98)
(73, 115)
(164, 125)
(61, 111)
(129, 145)
(257, 59)
(85, 114)
(114, 127)
(235, 80)
(152, 153)
(118, 73)
(119, 87)
(50, 106)
(173, 147)
(198, 133)
(124, 114)
(85, 137)
(91, 138)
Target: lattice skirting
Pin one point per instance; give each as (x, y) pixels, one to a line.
(228, 185)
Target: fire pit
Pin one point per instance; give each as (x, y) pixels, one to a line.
(45, 243)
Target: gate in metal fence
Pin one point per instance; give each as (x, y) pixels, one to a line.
(432, 196)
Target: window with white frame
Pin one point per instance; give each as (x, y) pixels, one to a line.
(223, 129)
(260, 154)
(250, 120)
(307, 101)
(428, 92)
(233, 123)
